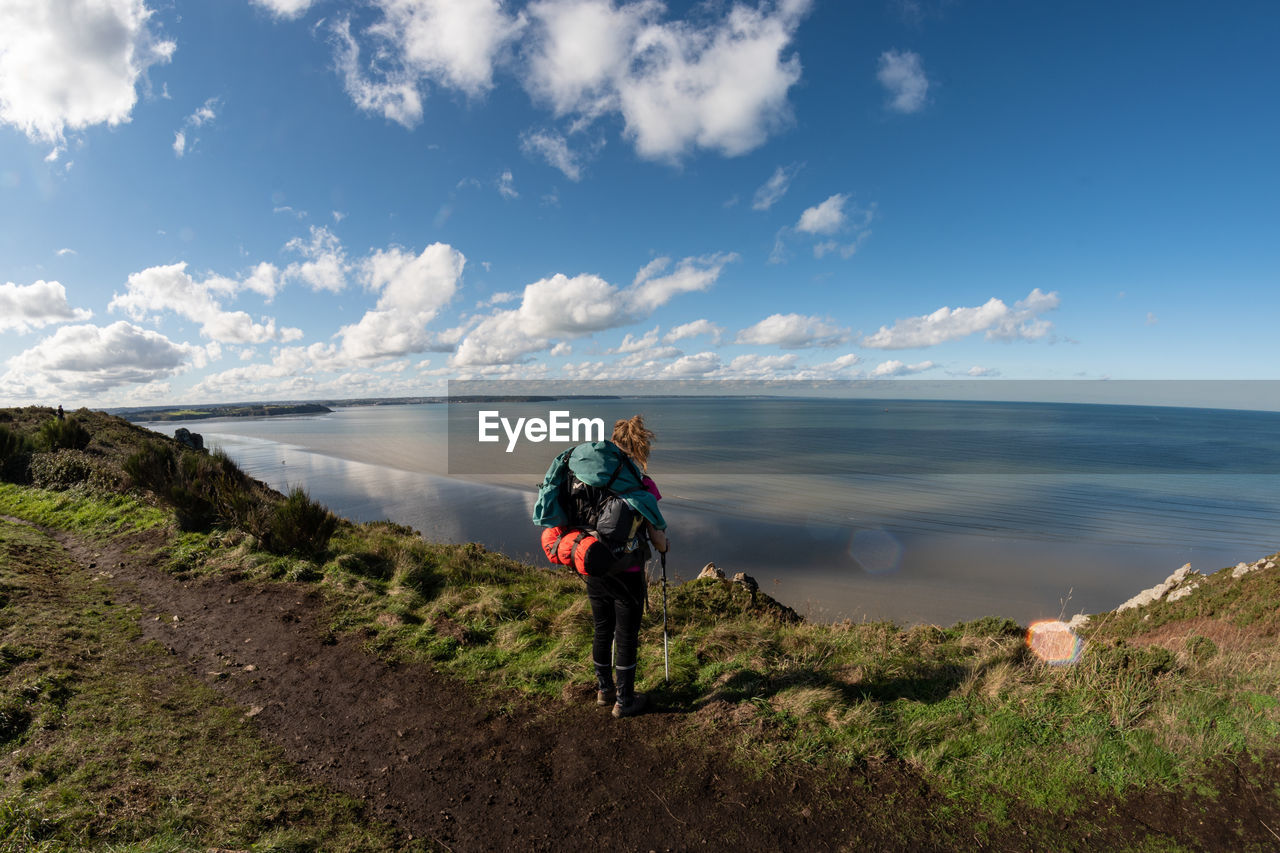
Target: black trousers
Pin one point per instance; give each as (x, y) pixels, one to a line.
(617, 603)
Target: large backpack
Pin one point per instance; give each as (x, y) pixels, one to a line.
(600, 530)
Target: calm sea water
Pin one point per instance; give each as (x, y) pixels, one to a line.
(905, 510)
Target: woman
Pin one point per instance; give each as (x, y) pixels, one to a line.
(617, 599)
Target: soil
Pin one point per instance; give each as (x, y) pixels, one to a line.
(447, 764)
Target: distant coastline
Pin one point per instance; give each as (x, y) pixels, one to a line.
(247, 411)
(153, 414)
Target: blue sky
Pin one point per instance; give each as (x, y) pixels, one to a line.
(301, 199)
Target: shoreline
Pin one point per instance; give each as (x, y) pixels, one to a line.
(825, 571)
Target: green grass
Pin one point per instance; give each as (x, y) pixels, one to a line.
(81, 512)
(107, 745)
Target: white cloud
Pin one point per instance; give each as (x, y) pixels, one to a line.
(90, 359)
(179, 143)
(34, 306)
(775, 188)
(825, 218)
(285, 8)
(755, 366)
(412, 290)
(325, 267)
(553, 148)
(579, 48)
(710, 81)
(894, 367)
(902, 75)
(721, 87)
(564, 307)
(171, 288)
(691, 366)
(693, 329)
(448, 43)
(507, 185)
(631, 344)
(793, 331)
(62, 253)
(204, 114)
(69, 64)
(978, 370)
(999, 321)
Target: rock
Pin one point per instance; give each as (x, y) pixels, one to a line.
(1269, 565)
(747, 581)
(1077, 621)
(1182, 592)
(187, 438)
(710, 571)
(1242, 569)
(1157, 592)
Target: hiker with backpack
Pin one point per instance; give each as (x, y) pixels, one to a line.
(600, 511)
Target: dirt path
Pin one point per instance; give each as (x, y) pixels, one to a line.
(424, 752)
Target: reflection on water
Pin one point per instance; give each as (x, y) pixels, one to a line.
(919, 547)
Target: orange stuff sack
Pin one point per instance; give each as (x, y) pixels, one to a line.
(568, 546)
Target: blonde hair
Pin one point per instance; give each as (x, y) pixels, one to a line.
(634, 439)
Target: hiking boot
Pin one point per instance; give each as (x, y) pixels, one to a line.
(629, 701)
(630, 708)
(606, 695)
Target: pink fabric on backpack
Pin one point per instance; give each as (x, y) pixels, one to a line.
(651, 487)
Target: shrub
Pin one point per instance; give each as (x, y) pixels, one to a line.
(68, 434)
(61, 470)
(153, 467)
(300, 525)
(15, 455)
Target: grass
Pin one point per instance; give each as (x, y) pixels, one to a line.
(107, 745)
(1156, 697)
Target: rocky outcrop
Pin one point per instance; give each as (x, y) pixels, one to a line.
(187, 438)
(1160, 590)
(710, 571)
(1243, 569)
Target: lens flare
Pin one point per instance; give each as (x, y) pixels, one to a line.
(877, 551)
(1054, 642)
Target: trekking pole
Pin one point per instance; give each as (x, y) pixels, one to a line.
(666, 656)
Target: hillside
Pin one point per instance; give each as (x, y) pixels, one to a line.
(192, 660)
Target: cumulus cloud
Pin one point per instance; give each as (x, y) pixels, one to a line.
(825, 218)
(325, 267)
(179, 143)
(448, 43)
(412, 289)
(693, 329)
(692, 366)
(561, 307)
(87, 359)
(894, 367)
(34, 306)
(554, 149)
(70, 64)
(793, 331)
(995, 318)
(845, 230)
(717, 82)
(902, 75)
(754, 366)
(171, 288)
(775, 188)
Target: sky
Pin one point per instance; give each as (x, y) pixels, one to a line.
(311, 199)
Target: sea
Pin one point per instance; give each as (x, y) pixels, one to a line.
(910, 511)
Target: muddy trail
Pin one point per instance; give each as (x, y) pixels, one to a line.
(465, 772)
